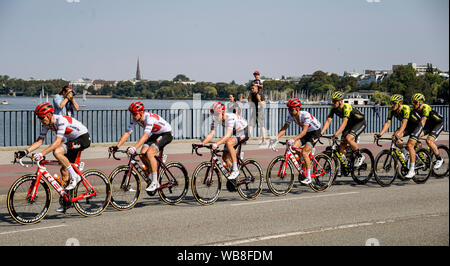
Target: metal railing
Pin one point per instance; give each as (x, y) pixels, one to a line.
(21, 127)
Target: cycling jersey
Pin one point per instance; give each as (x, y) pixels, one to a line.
(152, 124)
(65, 126)
(234, 121)
(404, 113)
(305, 118)
(432, 116)
(352, 114)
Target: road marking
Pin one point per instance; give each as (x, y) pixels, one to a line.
(321, 230)
(34, 229)
(297, 198)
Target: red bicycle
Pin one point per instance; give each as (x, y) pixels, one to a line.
(29, 197)
(280, 172)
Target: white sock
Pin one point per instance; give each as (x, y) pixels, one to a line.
(308, 173)
(411, 166)
(71, 171)
(235, 167)
(154, 177)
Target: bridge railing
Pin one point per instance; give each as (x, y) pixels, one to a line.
(21, 127)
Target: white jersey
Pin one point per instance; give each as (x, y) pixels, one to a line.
(234, 121)
(305, 118)
(153, 124)
(65, 126)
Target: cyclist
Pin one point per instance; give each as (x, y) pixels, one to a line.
(432, 123)
(410, 126)
(236, 133)
(308, 136)
(68, 152)
(353, 124)
(157, 134)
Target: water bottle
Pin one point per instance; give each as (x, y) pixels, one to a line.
(59, 180)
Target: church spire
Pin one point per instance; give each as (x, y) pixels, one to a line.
(138, 71)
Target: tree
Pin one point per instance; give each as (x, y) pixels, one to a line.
(180, 77)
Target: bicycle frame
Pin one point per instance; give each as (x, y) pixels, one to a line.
(289, 156)
(42, 172)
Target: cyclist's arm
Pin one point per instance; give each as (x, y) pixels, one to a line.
(35, 145)
(326, 125)
(55, 144)
(228, 134)
(385, 127)
(342, 127)
(282, 131)
(303, 133)
(209, 137)
(142, 140)
(424, 121)
(123, 138)
(402, 127)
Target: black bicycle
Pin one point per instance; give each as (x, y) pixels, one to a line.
(126, 184)
(206, 179)
(392, 163)
(345, 165)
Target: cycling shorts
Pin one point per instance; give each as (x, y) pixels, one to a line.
(413, 131)
(433, 130)
(159, 141)
(354, 129)
(311, 138)
(73, 148)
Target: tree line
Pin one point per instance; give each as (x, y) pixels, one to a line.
(402, 81)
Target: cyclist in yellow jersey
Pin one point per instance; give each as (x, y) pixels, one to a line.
(410, 126)
(432, 123)
(353, 124)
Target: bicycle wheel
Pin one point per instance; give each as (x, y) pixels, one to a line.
(96, 204)
(206, 184)
(325, 173)
(249, 182)
(125, 191)
(362, 174)
(385, 168)
(175, 182)
(423, 166)
(445, 168)
(21, 209)
(279, 179)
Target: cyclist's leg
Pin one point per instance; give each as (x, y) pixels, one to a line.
(59, 154)
(144, 159)
(156, 144)
(432, 136)
(232, 152)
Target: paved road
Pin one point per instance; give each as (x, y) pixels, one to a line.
(346, 214)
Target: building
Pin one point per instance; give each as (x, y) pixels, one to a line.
(83, 82)
(420, 69)
(99, 83)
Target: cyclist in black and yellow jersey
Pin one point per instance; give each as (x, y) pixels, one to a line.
(410, 126)
(432, 123)
(353, 124)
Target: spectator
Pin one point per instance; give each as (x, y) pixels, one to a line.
(258, 81)
(376, 108)
(257, 103)
(64, 102)
(233, 106)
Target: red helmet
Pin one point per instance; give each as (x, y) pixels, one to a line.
(294, 103)
(44, 109)
(256, 72)
(217, 107)
(136, 107)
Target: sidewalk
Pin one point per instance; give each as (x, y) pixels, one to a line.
(100, 150)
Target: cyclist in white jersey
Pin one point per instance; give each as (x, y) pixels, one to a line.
(308, 136)
(236, 132)
(69, 152)
(157, 134)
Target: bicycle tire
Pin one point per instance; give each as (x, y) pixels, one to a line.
(445, 166)
(320, 184)
(17, 197)
(422, 165)
(384, 164)
(124, 198)
(167, 194)
(200, 189)
(250, 180)
(363, 179)
(94, 205)
(277, 184)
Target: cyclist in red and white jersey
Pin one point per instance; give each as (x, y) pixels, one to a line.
(69, 152)
(236, 133)
(157, 134)
(308, 136)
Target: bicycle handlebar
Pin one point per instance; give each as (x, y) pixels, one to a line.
(195, 148)
(122, 151)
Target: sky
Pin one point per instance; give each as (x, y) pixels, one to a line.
(217, 41)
